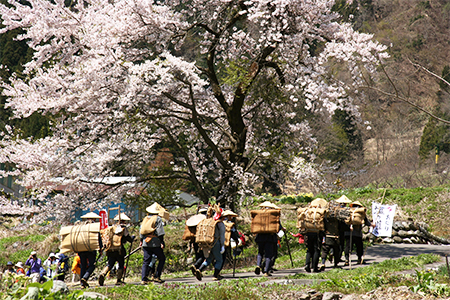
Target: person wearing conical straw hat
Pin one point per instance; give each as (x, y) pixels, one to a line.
(355, 236)
(267, 243)
(192, 222)
(152, 242)
(331, 245)
(218, 247)
(313, 241)
(87, 258)
(343, 202)
(231, 233)
(117, 253)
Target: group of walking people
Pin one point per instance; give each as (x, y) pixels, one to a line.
(338, 237)
(213, 236)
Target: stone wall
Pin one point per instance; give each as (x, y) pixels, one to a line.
(407, 232)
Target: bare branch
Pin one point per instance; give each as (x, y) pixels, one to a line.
(396, 96)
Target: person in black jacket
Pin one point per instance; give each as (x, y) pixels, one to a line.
(356, 235)
(115, 254)
(88, 258)
(267, 243)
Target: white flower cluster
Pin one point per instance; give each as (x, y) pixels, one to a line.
(221, 82)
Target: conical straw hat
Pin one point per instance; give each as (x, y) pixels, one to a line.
(194, 220)
(269, 205)
(91, 215)
(343, 199)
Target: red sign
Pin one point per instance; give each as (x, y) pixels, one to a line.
(104, 219)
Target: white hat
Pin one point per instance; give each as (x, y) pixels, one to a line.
(19, 264)
(33, 252)
(91, 215)
(229, 213)
(123, 217)
(194, 220)
(203, 209)
(357, 203)
(52, 255)
(343, 199)
(269, 204)
(154, 209)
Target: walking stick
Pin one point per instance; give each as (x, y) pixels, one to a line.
(289, 250)
(128, 259)
(351, 247)
(234, 262)
(134, 251)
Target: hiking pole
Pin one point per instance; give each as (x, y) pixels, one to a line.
(234, 261)
(134, 251)
(128, 259)
(351, 247)
(289, 250)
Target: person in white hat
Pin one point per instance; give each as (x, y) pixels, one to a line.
(88, 258)
(192, 222)
(217, 249)
(117, 253)
(231, 234)
(19, 268)
(343, 202)
(152, 242)
(50, 265)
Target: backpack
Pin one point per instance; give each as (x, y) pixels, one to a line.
(115, 233)
(228, 227)
(148, 225)
(265, 221)
(189, 233)
(357, 216)
(204, 235)
(311, 219)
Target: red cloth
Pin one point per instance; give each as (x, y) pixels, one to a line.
(218, 214)
(301, 239)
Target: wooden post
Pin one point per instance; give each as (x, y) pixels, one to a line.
(114, 208)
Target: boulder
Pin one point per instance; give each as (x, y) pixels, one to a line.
(397, 225)
(397, 239)
(388, 240)
(331, 296)
(403, 234)
(92, 295)
(59, 286)
(32, 294)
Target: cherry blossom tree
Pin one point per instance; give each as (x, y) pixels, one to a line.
(224, 83)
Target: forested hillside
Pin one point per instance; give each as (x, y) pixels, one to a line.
(399, 139)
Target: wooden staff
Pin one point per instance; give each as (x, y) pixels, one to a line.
(134, 251)
(128, 259)
(289, 249)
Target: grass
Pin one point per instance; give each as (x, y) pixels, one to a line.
(364, 279)
(358, 280)
(424, 204)
(16, 255)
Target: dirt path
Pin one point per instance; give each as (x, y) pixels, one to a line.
(374, 254)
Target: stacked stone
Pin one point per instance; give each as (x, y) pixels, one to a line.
(407, 232)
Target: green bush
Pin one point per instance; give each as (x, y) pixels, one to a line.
(294, 199)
